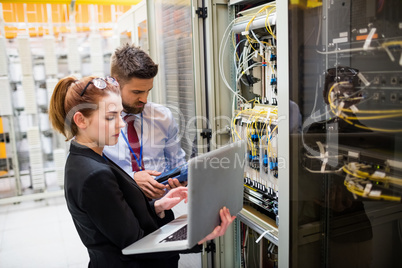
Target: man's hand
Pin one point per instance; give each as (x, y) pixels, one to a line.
(174, 183)
(151, 188)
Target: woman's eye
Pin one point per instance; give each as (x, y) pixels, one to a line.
(110, 118)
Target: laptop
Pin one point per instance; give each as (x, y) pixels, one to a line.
(215, 180)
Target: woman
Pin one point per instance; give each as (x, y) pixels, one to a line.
(108, 208)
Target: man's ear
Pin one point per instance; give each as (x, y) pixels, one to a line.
(80, 120)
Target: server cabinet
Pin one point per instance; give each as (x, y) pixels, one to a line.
(243, 70)
(339, 110)
(345, 164)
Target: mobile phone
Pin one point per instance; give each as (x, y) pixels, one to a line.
(179, 173)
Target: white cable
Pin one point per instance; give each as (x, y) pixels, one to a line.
(245, 57)
(400, 60)
(315, 98)
(369, 38)
(320, 157)
(262, 235)
(248, 68)
(221, 53)
(258, 40)
(323, 172)
(323, 155)
(348, 50)
(241, 66)
(319, 26)
(237, 65)
(244, 82)
(234, 54)
(240, 73)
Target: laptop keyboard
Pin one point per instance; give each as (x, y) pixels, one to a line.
(180, 234)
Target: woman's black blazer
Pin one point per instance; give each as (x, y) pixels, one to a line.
(110, 211)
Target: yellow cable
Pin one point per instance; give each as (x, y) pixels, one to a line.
(358, 111)
(333, 107)
(351, 173)
(391, 43)
(249, 140)
(255, 115)
(373, 128)
(366, 175)
(371, 117)
(250, 40)
(269, 25)
(360, 193)
(234, 118)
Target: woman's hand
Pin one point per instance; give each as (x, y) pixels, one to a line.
(171, 199)
(226, 220)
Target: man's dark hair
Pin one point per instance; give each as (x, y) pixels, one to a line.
(129, 61)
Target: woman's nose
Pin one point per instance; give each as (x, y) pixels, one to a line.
(121, 123)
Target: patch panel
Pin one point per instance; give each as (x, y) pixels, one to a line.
(259, 127)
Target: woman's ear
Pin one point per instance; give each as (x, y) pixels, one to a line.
(80, 120)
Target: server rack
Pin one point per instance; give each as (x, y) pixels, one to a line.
(338, 75)
(345, 166)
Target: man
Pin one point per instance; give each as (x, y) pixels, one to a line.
(158, 147)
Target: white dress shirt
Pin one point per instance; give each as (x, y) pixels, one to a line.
(160, 140)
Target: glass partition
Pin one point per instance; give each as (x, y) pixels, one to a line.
(345, 84)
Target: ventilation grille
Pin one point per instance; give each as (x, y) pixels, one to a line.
(177, 64)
